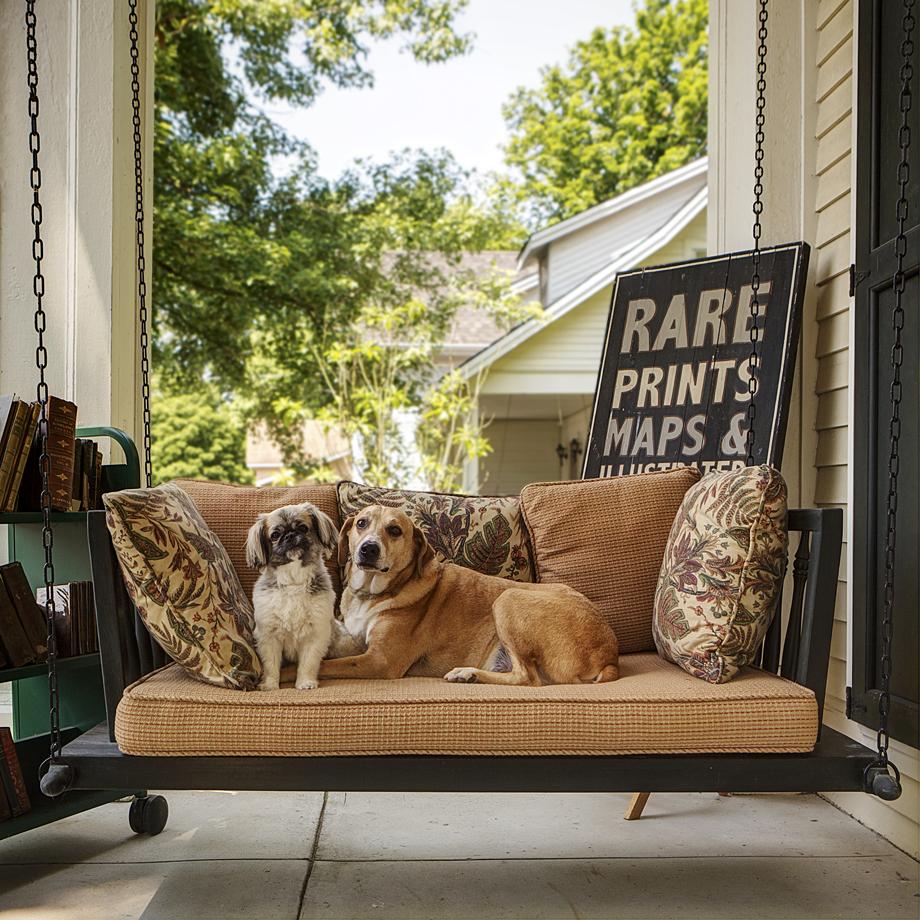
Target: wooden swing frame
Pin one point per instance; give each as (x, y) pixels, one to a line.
(800, 653)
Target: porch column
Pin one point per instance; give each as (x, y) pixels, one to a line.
(87, 168)
(789, 179)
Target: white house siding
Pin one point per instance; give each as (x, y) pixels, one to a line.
(583, 252)
(564, 356)
(835, 172)
(523, 450)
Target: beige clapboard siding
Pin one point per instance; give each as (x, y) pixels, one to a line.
(834, 145)
(836, 106)
(827, 9)
(831, 485)
(833, 259)
(833, 372)
(832, 447)
(833, 221)
(833, 335)
(833, 206)
(834, 33)
(833, 296)
(832, 410)
(835, 71)
(834, 182)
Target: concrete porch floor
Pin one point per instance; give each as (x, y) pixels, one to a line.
(262, 856)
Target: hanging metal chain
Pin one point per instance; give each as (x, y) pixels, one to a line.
(41, 362)
(897, 358)
(760, 121)
(139, 236)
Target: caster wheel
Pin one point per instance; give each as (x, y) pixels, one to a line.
(148, 815)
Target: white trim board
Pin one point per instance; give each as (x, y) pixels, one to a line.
(541, 238)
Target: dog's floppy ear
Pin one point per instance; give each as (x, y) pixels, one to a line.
(258, 549)
(343, 539)
(423, 551)
(328, 534)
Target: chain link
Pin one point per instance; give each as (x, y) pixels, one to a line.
(760, 121)
(897, 358)
(139, 235)
(41, 362)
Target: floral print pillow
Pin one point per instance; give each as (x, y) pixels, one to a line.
(183, 585)
(722, 571)
(479, 532)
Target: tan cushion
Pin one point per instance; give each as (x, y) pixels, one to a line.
(606, 538)
(481, 532)
(231, 510)
(183, 585)
(722, 570)
(655, 707)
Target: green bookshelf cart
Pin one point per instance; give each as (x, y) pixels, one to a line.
(80, 677)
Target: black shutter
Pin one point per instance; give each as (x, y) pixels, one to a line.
(877, 155)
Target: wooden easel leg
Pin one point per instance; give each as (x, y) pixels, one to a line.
(636, 806)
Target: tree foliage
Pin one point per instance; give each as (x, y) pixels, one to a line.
(630, 104)
(408, 420)
(197, 435)
(242, 246)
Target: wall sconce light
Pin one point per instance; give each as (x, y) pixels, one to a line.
(575, 451)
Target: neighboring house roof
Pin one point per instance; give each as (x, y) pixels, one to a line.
(637, 250)
(538, 241)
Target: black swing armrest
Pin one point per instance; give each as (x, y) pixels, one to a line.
(802, 651)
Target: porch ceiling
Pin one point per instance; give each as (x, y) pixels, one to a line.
(534, 405)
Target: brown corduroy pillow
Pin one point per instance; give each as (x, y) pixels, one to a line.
(230, 510)
(606, 539)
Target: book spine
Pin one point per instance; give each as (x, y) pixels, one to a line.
(11, 759)
(10, 458)
(23, 456)
(62, 426)
(87, 469)
(97, 479)
(76, 486)
(7, 789)
(31, 616)
(5, 811)
(12, 636)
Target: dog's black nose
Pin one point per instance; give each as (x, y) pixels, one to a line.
(369, 552)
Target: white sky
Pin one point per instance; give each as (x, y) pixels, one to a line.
(456, 105)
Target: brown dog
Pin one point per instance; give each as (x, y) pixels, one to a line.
(422, 617)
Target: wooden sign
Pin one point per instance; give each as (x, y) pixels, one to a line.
(673, 383)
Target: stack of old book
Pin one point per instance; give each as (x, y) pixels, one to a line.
(74, 617)
(23, 628)
(18, 424)
(14, 796)
(75, 464)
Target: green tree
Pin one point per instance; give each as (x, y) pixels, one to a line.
(629, 105)
(197, 435)
(381, 381)
(240, 250)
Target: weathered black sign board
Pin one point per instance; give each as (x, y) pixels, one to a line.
(673, 383)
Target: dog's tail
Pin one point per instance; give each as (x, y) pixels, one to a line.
(607, 673)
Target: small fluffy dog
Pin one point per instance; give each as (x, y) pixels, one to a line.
(293, 598)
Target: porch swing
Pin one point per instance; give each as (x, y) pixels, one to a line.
(799, 653)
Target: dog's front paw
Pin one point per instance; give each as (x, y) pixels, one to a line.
(461, 676)
(268, 683)
(306, 684)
